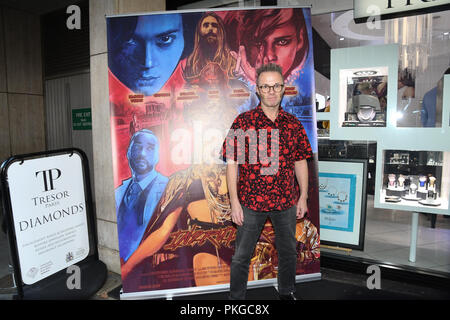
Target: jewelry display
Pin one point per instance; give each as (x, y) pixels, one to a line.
(366, 114)
(365, 107)
(392, 199)
(342, 196)
(332, 192)
(422, 181)
(431, 184)
(323, 185)
(411, 195)
(332, 209)
(430, 202)
(396, 187)
(329, 209)
(413, 188)
(391, 178)
(421, 188)
(401, 181)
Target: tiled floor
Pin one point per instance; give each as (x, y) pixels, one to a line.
(388, 235)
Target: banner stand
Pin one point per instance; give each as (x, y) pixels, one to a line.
(169, 294)
(59, 229)
(168, 129)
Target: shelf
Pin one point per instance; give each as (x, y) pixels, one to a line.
(414, 205)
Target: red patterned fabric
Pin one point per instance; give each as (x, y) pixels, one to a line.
(274, 188)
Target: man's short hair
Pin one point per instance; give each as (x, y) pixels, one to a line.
(270, 67)
(138, 133)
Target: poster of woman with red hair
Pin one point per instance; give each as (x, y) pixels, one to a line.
(184, 77)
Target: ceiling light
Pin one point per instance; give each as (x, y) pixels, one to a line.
(341, 39)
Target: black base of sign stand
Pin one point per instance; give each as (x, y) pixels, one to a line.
(92, 277)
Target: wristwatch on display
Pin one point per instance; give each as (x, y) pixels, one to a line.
(431, 185)
(413, 188)
(391, 179)
(422, 180)
(401, 181)
(366, 107)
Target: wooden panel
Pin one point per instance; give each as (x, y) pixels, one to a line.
(5, 148)
(2, 56)
(23, 52)
(133, 6)
(26, 112)
(58, 121)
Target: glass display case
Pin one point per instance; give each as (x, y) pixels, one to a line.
(416, 108)
(363, 97)
(415, 179)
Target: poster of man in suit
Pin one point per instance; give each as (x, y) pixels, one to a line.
(186, 76)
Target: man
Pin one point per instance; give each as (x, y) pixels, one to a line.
(137, 197)
(134, 125)
(267, 190)
(431, 113)
(210, 45)
(144, 51)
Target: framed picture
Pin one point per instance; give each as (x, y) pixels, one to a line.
(343, 202)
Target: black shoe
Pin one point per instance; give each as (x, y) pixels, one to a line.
(289, 296)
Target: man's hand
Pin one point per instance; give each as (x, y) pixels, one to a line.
(302, 207)
(237, 214)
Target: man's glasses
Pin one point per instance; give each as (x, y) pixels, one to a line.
(276, 88)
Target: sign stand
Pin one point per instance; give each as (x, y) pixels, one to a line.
(50, 224)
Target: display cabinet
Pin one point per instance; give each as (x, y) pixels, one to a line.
(363, 96)
(415, 180)
(363, 91)
(413, 163)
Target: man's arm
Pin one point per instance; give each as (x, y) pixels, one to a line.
(301, 173)
(236, 209)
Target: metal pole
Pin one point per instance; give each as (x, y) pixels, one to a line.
(414, 229)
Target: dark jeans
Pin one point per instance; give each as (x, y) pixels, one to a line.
(284, 223)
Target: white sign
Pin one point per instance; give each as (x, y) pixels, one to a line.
(49, 212)
(369, 8)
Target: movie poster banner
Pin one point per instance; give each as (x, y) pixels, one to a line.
(177, 81)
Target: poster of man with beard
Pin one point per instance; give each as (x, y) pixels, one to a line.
(209, 46)
(188, 240)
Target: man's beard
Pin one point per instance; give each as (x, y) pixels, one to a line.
(209, 45)
(141, 166)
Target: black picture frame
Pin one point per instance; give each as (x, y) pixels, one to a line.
(363, 206)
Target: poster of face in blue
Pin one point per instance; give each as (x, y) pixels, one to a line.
(337, 201)
(176, 82)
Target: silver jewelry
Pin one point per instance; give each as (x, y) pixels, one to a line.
(342, 196)
(332, 191)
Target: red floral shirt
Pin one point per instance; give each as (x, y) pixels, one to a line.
(266, 159)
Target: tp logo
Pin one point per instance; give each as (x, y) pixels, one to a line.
(374, 281)
(74, 20)
(49, 176)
